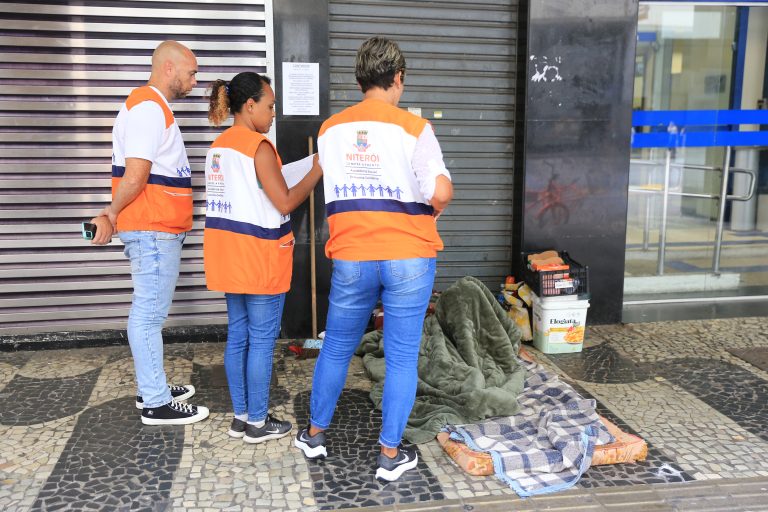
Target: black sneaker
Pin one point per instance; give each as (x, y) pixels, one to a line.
(273, 429)
(312, 446)
(177, 393)
(392, 469)
(237, 429)
(173, 413)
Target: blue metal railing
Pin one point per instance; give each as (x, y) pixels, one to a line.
(673, 129)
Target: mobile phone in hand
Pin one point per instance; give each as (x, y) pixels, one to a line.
(89, 230)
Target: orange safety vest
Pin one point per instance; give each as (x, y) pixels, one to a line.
(374, 205)
(247, 243)
(165, 203)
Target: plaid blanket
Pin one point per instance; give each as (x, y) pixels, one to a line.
(548, 444)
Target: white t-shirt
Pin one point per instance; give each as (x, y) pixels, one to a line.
(143, 132)
(427, 162)
(144, 127)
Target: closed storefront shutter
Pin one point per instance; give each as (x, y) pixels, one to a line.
(461, 59)
(65, 70)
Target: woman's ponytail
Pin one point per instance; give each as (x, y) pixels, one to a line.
(218, 110)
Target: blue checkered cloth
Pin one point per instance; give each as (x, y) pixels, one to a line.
(545, 447)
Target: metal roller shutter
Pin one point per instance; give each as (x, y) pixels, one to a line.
(461, 57)
(65, 69)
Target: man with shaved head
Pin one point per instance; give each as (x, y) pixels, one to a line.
(151, 211)
(173, 66)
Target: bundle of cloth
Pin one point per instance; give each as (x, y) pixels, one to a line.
(469, 371)
(548, 444)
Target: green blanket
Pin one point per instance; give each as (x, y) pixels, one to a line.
(468, 368)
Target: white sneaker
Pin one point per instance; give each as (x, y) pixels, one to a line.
(392, 469)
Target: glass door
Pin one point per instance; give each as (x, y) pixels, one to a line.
(699, 75)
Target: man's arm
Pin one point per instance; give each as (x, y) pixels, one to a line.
(143, 132)
(132, 183)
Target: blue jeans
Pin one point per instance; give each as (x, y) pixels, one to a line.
(155, 258)
(404, 287)
(254, 324)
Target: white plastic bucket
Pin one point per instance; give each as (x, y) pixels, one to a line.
(559, 324)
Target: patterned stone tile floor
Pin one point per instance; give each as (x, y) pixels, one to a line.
(70, 437)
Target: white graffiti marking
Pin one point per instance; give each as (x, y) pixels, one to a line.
(548, 72)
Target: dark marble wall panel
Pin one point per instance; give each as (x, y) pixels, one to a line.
(301, 35)
(577, 140)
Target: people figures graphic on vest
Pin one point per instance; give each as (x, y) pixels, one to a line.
(151, 210)
(250, 185)
(337, 190)
(380, 248)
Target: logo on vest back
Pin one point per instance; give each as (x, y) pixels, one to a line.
(362, 141)
(362, 165)
(362, 146)
(215, 175)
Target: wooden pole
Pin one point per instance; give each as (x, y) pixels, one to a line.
(312, 263)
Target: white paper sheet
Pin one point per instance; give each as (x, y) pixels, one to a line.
(301, 89)
(294, 172)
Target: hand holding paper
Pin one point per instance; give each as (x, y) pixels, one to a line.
(294, 172)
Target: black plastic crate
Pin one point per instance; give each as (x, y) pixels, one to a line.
(551, 283)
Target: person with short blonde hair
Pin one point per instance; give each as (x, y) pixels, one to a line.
(385, 185)
(377, 62)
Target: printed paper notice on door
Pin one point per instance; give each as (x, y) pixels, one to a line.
(301, 89)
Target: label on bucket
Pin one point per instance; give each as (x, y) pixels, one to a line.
(565, 334)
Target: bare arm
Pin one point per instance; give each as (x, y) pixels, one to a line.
(443, 193)
(268, 171)
(132, 183)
